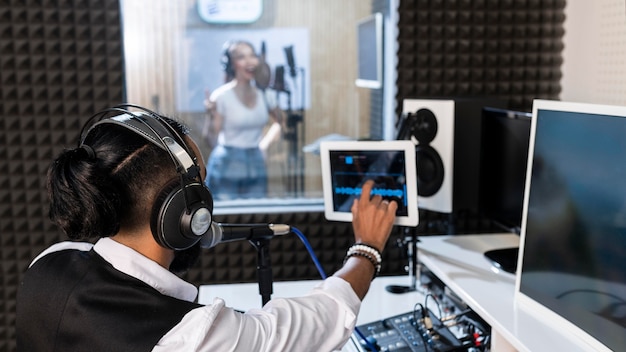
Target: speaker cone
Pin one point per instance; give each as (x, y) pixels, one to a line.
(430, 171)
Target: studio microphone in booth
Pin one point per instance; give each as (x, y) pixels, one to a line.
(291, 62)
(279, 79)
(221, 233)
(263, 72)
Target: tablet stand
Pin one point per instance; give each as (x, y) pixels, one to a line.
(410, 242)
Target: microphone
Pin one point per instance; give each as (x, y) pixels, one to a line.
(279, 79)
(221, 233)
(291, 62)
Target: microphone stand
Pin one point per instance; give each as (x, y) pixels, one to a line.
(264, 268)
(294, 127)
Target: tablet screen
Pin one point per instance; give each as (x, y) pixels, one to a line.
(346, 165)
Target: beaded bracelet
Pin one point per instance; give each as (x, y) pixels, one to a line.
(369, 249)
(368, 252)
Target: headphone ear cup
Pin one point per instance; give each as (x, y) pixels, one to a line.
(172, 225)
(227, 63)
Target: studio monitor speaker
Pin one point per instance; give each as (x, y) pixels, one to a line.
(447, 134)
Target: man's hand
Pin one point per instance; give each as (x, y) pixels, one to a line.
(372, 217)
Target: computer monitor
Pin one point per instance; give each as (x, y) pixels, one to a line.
(571, 270)
(503, 157)
(370, 52)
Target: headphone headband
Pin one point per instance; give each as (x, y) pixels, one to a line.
(154, 132)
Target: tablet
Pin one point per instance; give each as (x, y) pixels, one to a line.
(346, 165)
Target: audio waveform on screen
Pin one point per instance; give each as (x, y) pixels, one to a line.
(354, 191)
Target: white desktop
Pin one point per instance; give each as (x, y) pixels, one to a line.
(460, 263)
(377, 304)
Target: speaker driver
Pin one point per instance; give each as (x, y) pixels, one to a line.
(424, 126)
(430, 170)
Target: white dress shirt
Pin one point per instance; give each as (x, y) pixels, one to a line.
(322, 320)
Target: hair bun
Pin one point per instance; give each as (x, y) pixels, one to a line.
(84, 151)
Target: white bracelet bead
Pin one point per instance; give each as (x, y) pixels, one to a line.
(368, 252)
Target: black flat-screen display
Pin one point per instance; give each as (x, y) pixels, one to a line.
(503, 158)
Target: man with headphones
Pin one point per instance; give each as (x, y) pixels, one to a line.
(134, 186)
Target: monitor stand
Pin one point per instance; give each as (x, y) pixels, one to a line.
(504, 258)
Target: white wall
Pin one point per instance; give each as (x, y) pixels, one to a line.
(594, 56)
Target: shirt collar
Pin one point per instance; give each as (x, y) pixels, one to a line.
(132, 263)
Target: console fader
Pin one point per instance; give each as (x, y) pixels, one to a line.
(408, 333)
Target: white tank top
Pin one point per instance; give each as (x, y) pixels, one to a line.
(242, 127)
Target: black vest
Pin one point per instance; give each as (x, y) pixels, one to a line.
(74, 300)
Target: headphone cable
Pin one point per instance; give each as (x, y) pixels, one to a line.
(318, 265)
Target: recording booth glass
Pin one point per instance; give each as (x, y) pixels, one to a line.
(503, 157)
(571, 271)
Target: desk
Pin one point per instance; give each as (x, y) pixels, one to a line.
(378, 303)
(458, 261)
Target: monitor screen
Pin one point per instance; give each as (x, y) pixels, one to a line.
(370, 52)
(573, 238)
(503, 158)
(346, 165)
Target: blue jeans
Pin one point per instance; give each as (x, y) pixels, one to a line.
(236, 173)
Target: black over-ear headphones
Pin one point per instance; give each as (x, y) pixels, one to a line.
(182, 212)
(226, 60)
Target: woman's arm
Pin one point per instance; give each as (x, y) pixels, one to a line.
(213, 121)
(273, 133)
(212, 127)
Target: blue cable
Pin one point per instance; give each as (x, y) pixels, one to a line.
(324, 276)
(310, 250)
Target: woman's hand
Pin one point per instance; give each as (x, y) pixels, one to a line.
(209, 105)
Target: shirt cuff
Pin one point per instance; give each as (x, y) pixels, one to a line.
(341, 291)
